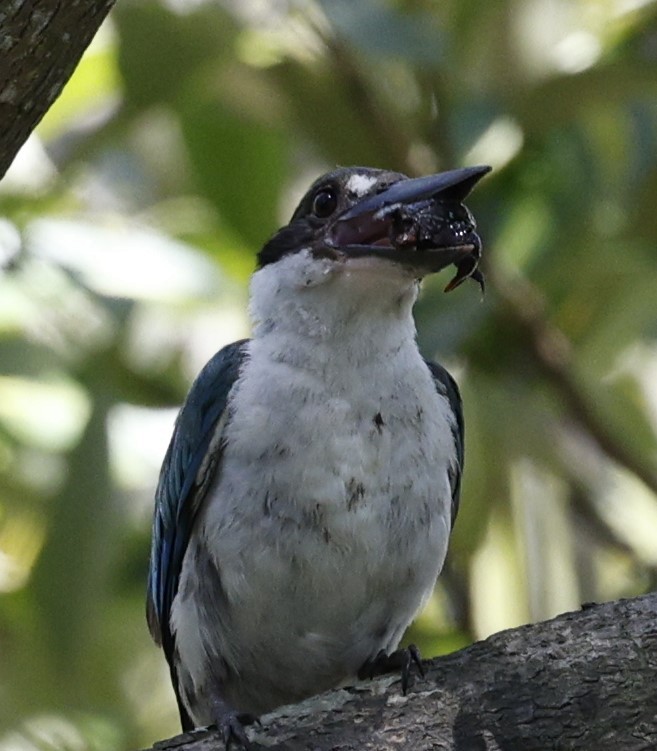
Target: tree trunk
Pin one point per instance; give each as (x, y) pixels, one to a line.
(41, 43)
(585, 680)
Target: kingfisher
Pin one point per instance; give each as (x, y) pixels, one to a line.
(307, 496)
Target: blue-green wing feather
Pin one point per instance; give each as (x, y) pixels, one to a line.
(447, 387)
(181, 488)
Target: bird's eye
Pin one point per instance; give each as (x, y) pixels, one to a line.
(324, 203)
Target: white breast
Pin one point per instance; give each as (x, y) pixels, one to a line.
(330, 516)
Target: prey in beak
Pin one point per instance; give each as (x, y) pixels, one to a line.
(420, 223)
(357, 212)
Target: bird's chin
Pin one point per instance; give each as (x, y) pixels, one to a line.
(377, 278)
(386, 261)
(379, 267)
(410, 260)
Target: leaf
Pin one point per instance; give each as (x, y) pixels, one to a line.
(160, 50)
(378, 29)
(337, 118)
(240, 166)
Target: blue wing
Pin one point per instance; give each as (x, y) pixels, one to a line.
(447, 387)
(184, 477)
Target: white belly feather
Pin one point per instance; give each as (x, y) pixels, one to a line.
(327, 523)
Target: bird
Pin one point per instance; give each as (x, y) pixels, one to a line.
(308, 493)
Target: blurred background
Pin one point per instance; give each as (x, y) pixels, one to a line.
(130, 223)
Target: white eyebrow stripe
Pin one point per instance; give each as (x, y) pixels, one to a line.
(359, 184)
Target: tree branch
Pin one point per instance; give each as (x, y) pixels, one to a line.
(42, 42)
(584, 680)
(552, 354)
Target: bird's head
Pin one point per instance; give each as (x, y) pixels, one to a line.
(376, 229)
(354, 213)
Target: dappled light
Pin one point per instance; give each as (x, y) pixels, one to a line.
(130, 224)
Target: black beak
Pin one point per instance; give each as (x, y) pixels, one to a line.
(420, 222)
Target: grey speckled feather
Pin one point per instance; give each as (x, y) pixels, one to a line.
(306, 500)
(190, 461)
(181, 489)
(337, 468)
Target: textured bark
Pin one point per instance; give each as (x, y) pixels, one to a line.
(585, 680)
(41, 42)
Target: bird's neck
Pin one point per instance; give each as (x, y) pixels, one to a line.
(362, 317)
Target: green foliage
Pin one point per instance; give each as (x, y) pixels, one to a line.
(182, 141)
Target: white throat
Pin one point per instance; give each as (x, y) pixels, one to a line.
(361, 305)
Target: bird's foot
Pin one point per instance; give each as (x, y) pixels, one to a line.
(231, 724)
(400, 659)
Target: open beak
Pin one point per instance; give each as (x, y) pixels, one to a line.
(420, 223)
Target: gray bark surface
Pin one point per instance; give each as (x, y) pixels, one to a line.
(41, 42)
(585, 680)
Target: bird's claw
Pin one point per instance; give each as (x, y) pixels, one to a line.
(401, 659)
(411, 657)
(231, 725)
